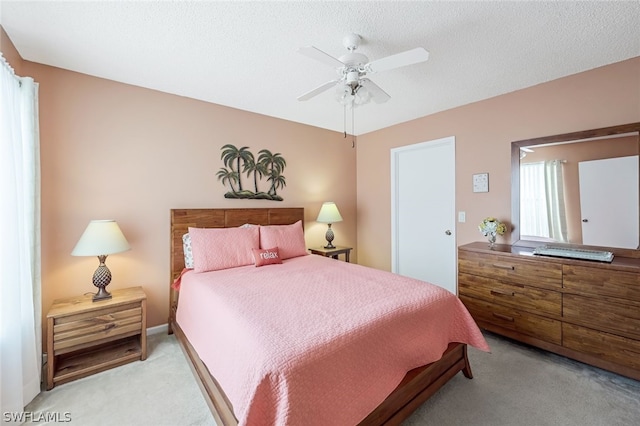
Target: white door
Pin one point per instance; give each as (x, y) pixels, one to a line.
(608, 217)
(423, 243)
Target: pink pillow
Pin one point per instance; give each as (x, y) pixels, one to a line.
(288, 238)
(267, 256)
(223, 248)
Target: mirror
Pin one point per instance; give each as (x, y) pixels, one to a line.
(557, 208)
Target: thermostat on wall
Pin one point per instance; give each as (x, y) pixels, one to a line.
(481, 182)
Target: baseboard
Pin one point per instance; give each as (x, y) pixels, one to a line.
(163, 328)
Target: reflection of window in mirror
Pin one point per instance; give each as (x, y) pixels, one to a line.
(542, 201)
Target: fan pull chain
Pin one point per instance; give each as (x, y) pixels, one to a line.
(345, 121)
(353, 138)
(353, 128)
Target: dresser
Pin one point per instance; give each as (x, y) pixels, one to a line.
(585, 310)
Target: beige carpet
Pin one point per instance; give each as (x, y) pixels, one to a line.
(513, 385)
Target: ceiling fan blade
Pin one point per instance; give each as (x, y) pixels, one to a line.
(328, 85)
(378, 95)
(398, 60)
(319, 55)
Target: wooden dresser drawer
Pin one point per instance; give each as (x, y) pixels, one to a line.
(511, 269)
(531, 299)
(89, 328)
(522, 322)
(605, 282)
(602, 314)
(608, 347)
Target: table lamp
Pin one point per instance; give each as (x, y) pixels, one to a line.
(101, 238)
(329, 214)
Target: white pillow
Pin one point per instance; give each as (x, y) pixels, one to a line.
(186, 249)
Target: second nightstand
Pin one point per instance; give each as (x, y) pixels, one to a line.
(332, 252)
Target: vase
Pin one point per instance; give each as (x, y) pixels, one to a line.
(492, 240)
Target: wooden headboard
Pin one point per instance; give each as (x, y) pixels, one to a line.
(182, 219)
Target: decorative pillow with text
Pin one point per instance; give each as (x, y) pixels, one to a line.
(267, 256)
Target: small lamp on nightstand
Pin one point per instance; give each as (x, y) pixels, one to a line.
(101, 238)
(329, 214)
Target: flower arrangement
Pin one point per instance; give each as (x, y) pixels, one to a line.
(490, 227)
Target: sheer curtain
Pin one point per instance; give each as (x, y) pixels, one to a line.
(542, 206)
(533, 201)
(20, 305)
(554, 191)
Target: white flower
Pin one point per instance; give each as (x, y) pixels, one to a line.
(491, 226)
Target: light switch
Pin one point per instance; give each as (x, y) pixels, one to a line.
(462, 217)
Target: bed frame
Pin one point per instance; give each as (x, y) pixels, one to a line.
(417, 386)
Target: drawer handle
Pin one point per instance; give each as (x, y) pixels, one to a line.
(503, 317)
(504, 266)
(502, 293)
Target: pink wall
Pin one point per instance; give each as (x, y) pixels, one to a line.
(484, 131)
(115, 151)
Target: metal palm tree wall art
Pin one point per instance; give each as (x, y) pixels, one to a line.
(241, 161)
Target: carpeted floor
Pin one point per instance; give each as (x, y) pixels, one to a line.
(512, 385)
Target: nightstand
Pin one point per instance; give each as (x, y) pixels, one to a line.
(86, 337)
(332, 252)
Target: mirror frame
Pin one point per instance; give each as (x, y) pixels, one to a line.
(515, 174)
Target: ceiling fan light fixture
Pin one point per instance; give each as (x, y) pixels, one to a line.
(362, 95)
(344, 95)
(352, 96)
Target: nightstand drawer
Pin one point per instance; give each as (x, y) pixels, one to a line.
(511, 295)
(76, 331)
(536, 326)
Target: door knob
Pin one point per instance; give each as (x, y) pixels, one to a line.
(447, 232)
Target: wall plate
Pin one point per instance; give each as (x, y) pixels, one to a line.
(481, 182)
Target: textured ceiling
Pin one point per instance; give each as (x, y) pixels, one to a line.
(243, 54)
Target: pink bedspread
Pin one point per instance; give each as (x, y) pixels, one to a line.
(315, 341)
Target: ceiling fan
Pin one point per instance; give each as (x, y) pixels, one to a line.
(353, 87)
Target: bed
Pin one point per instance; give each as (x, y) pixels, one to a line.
(413, 389)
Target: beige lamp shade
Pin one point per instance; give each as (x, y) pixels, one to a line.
(102, 237)
(329, 213)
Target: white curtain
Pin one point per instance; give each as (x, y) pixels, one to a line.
(554, 191)
(542, 206)
(533, 201)
(20, 300)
